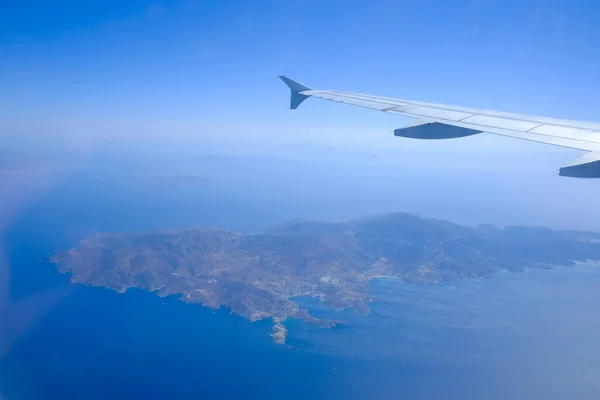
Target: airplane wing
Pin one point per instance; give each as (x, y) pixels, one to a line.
(438, 121)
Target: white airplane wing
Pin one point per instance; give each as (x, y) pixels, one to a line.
(438, 121)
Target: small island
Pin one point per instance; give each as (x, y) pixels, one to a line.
(256, 275)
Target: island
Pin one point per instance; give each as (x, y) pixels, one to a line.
(257, 275)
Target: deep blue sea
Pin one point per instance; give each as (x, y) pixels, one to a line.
(519, 336)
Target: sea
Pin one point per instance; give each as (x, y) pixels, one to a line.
(517, 336)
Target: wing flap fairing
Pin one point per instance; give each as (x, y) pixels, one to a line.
(434, 130)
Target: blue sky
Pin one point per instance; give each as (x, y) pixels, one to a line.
(190, 65)
(187, 72)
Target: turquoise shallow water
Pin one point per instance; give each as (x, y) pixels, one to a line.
(513, 337)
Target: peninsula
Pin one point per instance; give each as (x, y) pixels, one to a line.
(256, 275)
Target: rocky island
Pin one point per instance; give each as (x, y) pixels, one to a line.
(256, 275)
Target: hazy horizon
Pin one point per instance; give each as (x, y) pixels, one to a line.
(198, 77)
(102, 101)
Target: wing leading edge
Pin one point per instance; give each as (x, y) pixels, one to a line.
(438, 121)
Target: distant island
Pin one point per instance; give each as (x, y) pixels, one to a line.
(256, 275)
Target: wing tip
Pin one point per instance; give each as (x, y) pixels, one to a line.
(297, 98)
(293, 85)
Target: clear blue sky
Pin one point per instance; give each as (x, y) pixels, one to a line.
(141, 71)
(214, 63)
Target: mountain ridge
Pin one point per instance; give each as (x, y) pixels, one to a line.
(256, 275)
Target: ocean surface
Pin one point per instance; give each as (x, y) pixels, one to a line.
(518, 336)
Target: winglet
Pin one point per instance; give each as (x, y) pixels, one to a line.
(296, 88)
